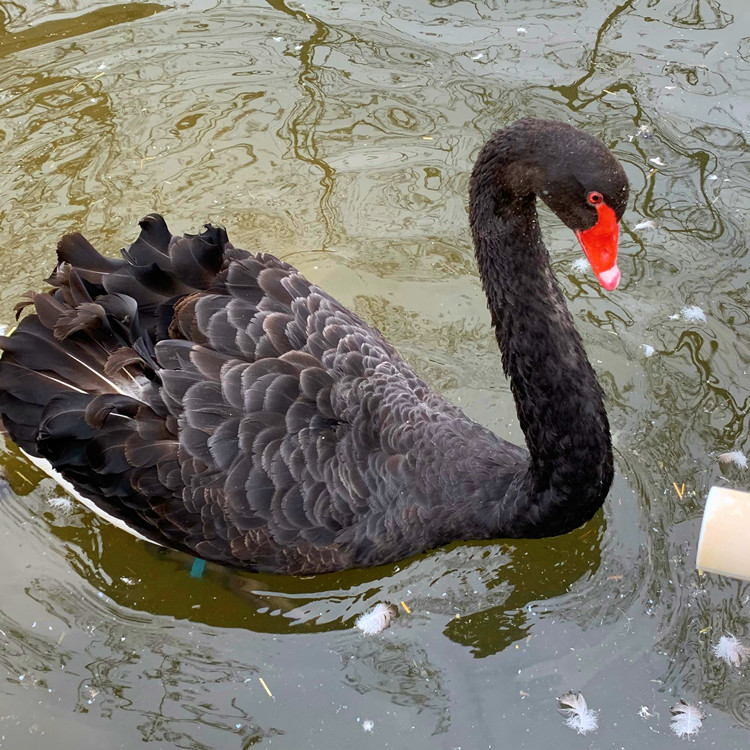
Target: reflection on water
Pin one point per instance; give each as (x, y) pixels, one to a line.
(340, 136)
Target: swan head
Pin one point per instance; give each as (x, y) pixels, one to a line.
(579, 178)
(575, 174)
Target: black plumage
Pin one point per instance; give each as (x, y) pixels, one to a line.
(219, 403)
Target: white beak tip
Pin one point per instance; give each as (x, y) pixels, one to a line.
(610, 278)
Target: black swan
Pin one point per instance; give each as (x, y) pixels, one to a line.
(218, 403)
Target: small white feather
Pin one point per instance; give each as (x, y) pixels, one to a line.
(731, 650)
(578, 715)
(693, 314)
(375, 621)
(368, 725)
(687, 719)
(648, 224)
(648, 350)
(580, 265)
(657, 161)
(738, 458)
(61, 503)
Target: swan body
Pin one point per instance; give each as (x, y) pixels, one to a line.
(217, 402)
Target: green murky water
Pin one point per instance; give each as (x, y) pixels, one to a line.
(339, 135)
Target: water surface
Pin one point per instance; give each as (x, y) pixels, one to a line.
(340, 135)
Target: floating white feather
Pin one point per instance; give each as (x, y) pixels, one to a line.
(61, 503)
(580, 265)
(731, 650)
(693, 314)
(738, 458)
(687, 719)
(375, 621)
(579, 716)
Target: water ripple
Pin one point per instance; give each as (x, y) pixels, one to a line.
(340, 136)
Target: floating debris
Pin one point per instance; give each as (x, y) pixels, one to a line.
(580, 265)
(738, 458)
(731, 650)
(521, 30)
(645, 713)
(687, 719)
(368, 725)
(199, 565)
(691, 313)
(406, 609)
(648, 350)
(644, 132)
(478, 56)
(680, 490)
(579, 716)
(265, 687)
(648, 224)
(376, 621)
(62, 503)
(657, 162)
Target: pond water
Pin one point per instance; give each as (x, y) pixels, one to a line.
(339, 135)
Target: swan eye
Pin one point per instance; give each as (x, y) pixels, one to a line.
(595, 198)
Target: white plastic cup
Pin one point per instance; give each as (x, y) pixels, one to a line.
(724, 543)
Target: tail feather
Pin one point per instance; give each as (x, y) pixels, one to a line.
(24, 395)
(20, 419)
(195, 261)
(35, 347)
(80, 253)
(48, 309)
(79, 383)
(155, 232)
(33, 387)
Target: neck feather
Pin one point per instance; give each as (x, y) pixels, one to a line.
(558, 399)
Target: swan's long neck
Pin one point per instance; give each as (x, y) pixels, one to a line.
(558, 399)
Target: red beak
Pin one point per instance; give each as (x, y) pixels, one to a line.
(600, 245)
